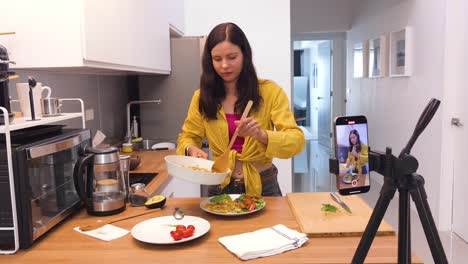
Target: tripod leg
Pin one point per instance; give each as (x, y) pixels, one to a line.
(386, 195)
(404, 232)
(432, 236)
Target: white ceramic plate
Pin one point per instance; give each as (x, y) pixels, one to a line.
(157, 230)
(233, 196)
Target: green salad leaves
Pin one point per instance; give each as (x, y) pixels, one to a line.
(219, 198)
(329, 208)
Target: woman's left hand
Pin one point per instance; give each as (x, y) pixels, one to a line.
(250, 127)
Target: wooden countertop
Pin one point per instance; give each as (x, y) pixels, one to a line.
(153, 162)
(63, 245)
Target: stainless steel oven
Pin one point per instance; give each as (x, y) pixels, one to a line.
(45, 191)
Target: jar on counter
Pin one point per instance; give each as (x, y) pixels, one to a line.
(138, 195)
(127, 147)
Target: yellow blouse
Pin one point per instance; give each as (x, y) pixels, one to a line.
(362, 160)
(285, 138)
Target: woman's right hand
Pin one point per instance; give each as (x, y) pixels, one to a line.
(197, 152)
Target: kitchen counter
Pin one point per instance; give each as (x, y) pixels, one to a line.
(63, 245)
(153, 162)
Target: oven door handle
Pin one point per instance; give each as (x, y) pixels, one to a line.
(54, 147)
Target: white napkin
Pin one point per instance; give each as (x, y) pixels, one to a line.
(106, 233)
(264, 242)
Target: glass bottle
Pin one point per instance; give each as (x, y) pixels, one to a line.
(138, 195)
(124, 169)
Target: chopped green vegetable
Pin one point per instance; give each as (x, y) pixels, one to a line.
(329, 208)
(260, 203)
(220, 198)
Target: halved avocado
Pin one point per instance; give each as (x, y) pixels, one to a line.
(156, 201)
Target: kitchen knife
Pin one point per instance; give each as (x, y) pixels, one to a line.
(337, 199)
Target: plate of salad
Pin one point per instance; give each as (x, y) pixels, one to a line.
(233, 204)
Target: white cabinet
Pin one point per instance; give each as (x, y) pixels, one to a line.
(121, 35)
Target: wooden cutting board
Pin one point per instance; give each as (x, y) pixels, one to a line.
(306, 207)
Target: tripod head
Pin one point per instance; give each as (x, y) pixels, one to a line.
(424, 120)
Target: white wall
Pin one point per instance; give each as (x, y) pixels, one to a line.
(321, 15)
(393, 105)
(175, 14)
(267, 26)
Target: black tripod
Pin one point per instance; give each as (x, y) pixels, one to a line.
(400, 173)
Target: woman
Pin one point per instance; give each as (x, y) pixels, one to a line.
(227, 83)
(357, 154)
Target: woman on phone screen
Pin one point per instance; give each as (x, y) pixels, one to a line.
(357, 153)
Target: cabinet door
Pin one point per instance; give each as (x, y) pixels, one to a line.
(47, 33)
(126, 32)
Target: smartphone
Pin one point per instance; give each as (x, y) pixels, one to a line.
(352, 152)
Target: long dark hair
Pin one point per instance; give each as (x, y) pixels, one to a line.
(212, 90)
(358, 141)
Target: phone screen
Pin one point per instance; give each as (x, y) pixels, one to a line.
(352, 152)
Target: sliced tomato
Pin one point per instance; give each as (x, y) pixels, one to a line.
(180, 228)
(252, 207)
(191, 227)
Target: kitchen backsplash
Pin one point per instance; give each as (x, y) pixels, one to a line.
(163, 122)
(106, 95)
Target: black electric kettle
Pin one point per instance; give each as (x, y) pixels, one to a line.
(101, 188)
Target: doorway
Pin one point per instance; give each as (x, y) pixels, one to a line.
(311, 103)
(312, 90)
(459, 121)
(318, 81)
(452, 207)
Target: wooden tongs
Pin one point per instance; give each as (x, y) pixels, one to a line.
(222, 163)
(97, 225)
